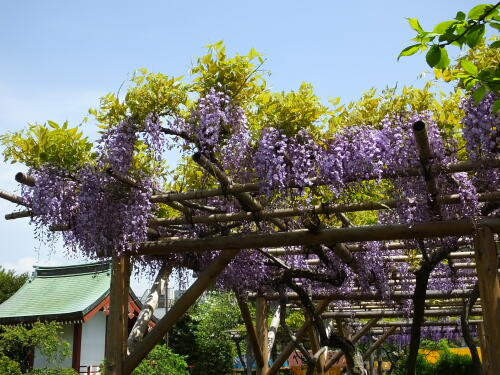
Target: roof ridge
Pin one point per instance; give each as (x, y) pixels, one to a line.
(75, 269)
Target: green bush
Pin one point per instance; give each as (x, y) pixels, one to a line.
(447, 364)
(53, 371)
(8, 366)
(162, 361)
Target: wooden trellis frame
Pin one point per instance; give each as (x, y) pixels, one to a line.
(482, 229)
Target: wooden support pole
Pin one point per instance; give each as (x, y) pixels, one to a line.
(261, 310)
(482, 344)
(273, 329)
(117, 328)
(141, 325)
(314, 340)
(489, 289)
(301, 332)
(251, 332)
(206, 277)
(379, 342)
(354, 340)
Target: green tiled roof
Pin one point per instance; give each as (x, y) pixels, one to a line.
(58, 293)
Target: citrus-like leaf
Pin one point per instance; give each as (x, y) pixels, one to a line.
(469, 67)
(415, 25)
(410, 50)
(496, 106)
(433, 56)
(479, 94)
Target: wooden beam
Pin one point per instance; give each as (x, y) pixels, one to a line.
(394, 313)
(379, 342)
(12, 197)
(299, 335)
(261, 311)
(318, 210)
(489, 289)
(251, 332)
(116, 340)
(306, 237)
(206, 277)
(464, 166)
(370, 296)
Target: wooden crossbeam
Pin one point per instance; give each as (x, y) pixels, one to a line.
(305, 237)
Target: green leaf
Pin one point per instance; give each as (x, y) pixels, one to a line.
(495, 44)
(444, 61)
(496, 106)
(476, 12)
(410, 50)
(440, 28)
(469, 67)
(475, 36)
(460, 16)
(415, 25)
(479, 94)
(433, 56)
(495, 25)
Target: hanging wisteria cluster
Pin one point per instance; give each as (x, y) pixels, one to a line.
(100, 216)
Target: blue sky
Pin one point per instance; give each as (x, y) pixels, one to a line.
(58, 57)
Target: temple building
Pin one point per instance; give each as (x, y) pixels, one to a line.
(77, 297)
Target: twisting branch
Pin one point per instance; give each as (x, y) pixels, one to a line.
(464, 322)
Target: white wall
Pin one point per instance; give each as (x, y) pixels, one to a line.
(40, 361)
(93, 340)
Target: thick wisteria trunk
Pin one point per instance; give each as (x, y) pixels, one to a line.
(141, 325)
(422, 279)
(469, 303)
(354, 359)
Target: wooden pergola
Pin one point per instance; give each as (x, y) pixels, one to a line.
(343, 242)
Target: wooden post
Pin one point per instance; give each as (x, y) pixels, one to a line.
(261, 310)
(489, 290)
(313, 338)
(178, 309)
(117, 328)
(252, 334)
(482, 344)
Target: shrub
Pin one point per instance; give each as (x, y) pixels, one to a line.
(161, 361)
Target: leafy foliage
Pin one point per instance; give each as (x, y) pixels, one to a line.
(237, 76)
(17, 342)
(463, 31)
(289, 112)
(448, 363)
(8, 366)
(148, 93)
(161, 360)
(50, 143)
(216, 316)
(10, 283)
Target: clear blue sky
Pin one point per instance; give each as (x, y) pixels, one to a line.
(58, 57)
